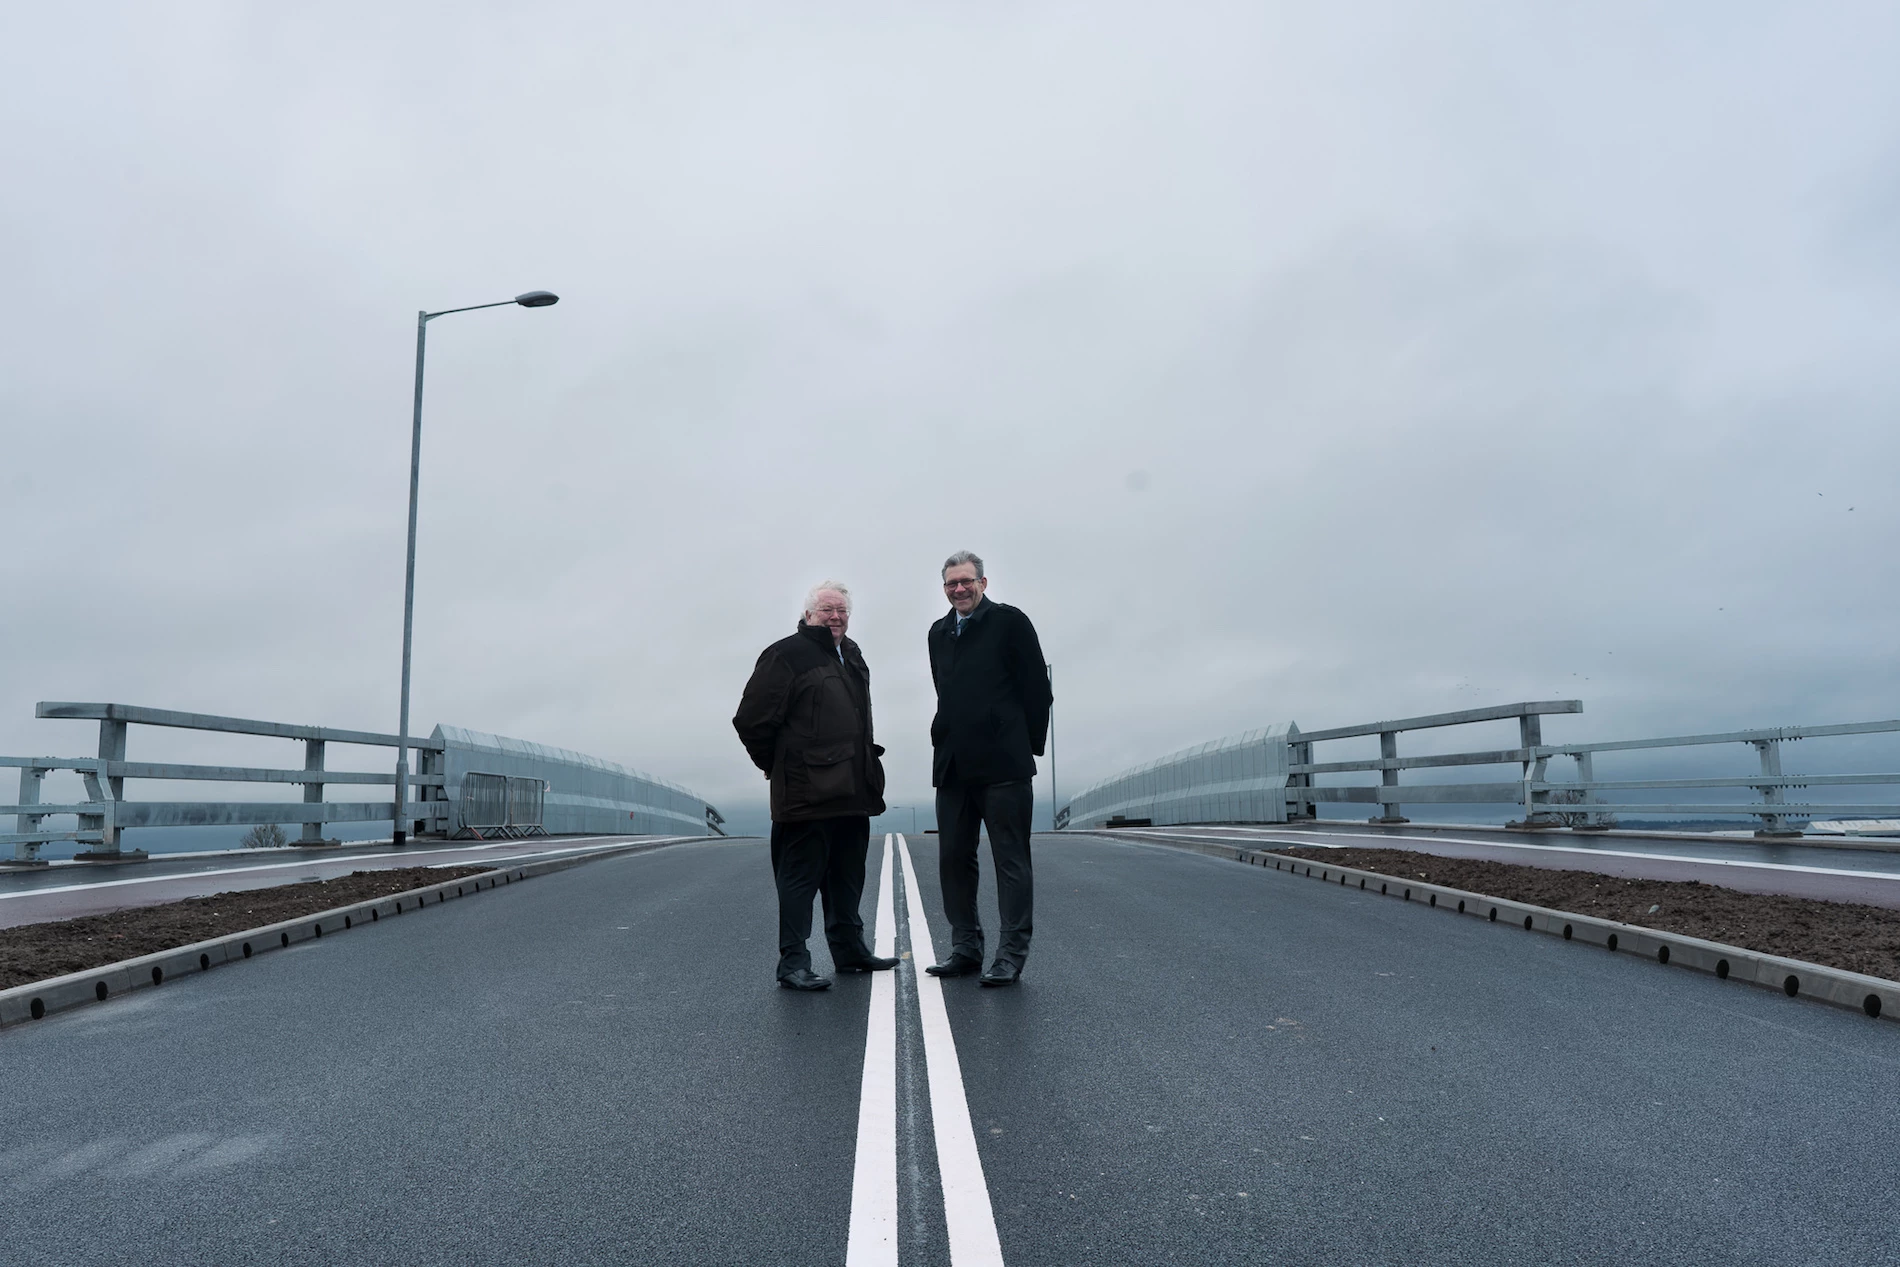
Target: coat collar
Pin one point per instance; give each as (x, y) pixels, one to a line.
(983, 606)
(852, 655)
(822, 636)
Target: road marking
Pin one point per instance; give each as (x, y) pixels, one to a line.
(966, 1195)
(1266, 836)
(873, 1240)
(406, 860)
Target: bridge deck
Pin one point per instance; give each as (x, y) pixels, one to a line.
(1206, 1063)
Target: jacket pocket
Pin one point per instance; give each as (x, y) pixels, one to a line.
(826, 773)
(874, 772)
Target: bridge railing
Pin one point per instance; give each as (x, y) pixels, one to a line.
(1390, 797)
(1269, 776)
(1774, 809)
(464, 778)
(105, 813)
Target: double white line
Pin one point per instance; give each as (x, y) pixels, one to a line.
(966, 1196)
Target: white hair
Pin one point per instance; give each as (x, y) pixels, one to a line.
(837, 587)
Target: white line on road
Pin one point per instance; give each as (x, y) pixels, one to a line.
(966, 1196)
(873, 1241)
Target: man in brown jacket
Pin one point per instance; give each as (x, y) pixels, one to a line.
(805, 720)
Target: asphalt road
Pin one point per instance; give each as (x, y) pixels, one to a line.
(1205, 1063)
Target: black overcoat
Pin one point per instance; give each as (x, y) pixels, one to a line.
(993, 696)
(805, 719)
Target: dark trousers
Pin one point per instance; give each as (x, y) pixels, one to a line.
(1003, 808)
(823, 856)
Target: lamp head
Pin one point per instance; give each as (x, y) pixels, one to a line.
(537, 299)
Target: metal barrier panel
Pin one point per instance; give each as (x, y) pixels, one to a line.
(483, 803)
(526, 801)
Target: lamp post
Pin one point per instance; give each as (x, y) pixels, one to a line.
(532, 299)
(1055, 802)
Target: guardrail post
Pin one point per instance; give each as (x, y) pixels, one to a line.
(313, 789)
(1537, 812)
(1389, 778)
(108, 789)
(1593, 820)
(421, 812)
(28, 851)
(435, 796)
(1772, 824)
(1303, 808)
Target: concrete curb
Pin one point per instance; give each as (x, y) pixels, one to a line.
(1873, 996)
(37, 999)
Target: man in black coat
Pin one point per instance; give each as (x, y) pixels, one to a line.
(993, 702)
(805, 720)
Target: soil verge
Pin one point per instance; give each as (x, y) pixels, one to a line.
(1844, 935)
(37, 952)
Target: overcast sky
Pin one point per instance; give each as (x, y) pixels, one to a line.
(1285, 362)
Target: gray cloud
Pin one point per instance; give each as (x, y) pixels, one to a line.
(1283, 363)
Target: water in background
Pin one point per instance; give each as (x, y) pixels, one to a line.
(158, 840)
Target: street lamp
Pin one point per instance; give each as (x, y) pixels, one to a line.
(532, 299)
(913, 815)
(1055, 803)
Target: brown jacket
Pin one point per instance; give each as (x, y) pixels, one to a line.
(805, 720)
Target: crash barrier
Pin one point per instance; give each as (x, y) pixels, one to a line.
(494, 805)
(1269, 776)
(559, 791)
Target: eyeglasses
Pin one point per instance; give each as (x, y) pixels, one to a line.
(831, 611)
(969, 583)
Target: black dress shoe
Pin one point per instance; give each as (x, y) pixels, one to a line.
(804, 979)
(1002, 972)
(870, 963)
(955, 966)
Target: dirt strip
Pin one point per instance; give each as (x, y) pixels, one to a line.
(35, 952)
(1844, 935)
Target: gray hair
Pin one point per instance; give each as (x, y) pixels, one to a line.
(958, 559)
(811, 596)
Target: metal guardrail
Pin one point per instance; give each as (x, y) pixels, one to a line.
(105, 813)
(1279, 761)
(1772, 784)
